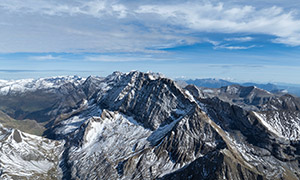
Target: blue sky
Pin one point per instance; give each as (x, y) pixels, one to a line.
(236, 39)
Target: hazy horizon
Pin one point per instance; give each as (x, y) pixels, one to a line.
(240, 40)
(33, 74)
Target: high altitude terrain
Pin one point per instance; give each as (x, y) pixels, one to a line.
(144, 126)
(218, 83)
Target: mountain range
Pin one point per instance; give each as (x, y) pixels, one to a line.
(145, 126)
(218, 83)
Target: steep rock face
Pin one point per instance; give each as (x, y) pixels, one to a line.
(91, 86)
(173, 129)
(250, 98)
(153, 101)
(115, 146)
(285, 124)
(144, 126)
(280, 113)
(258, 141)
(189, 139)
(213, 166)
(149, 128)
(25, 156)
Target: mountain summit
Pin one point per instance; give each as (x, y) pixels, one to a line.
(144, 126)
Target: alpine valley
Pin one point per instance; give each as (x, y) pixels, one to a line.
(145, 126)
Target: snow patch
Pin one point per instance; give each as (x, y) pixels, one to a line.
(191, 97)
(263, 121)
(28, 157)
(208, 91)
(162, 131)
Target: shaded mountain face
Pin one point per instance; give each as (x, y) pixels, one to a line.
(39, 99)
(26, 125)
(144, 126)
(250, 97)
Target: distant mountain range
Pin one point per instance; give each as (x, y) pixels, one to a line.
(145, 126)
(218, 83)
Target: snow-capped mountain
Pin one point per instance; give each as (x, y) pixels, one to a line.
(144, 126)
(26, 156)
(210, 82)
(25, 85)
(42, 99)
(218, 83)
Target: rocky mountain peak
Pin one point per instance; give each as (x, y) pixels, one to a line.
(139, 125)
(153, 100)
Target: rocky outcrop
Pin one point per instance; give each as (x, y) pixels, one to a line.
(144, 126)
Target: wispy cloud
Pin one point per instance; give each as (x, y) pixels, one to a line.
(215, 43)
(106, 58)
(234, 47)
(125, 58)
(239, 39)
(94, 8)
(34, 70)
(44, 58)
(226, 66)
(226, 19)
(16, 70)
(126, 26)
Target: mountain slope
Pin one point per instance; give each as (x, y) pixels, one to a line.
(257, 140)
(182, 134)
(218, 83)
(214, 165)
(28, 126)
(210, 82)
(144, 126)
(42, 100)
(25, 156)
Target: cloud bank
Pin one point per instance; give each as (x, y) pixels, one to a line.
(146, 26)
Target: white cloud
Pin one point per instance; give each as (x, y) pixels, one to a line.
(106, 58)
(290, 40)
(126, 26)
(215, 43)
(234, 47)
(222, 19)
(44, 58)
(239, 39)
(95, 8)
(125, 58)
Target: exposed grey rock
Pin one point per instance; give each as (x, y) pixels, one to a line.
(144, 126)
